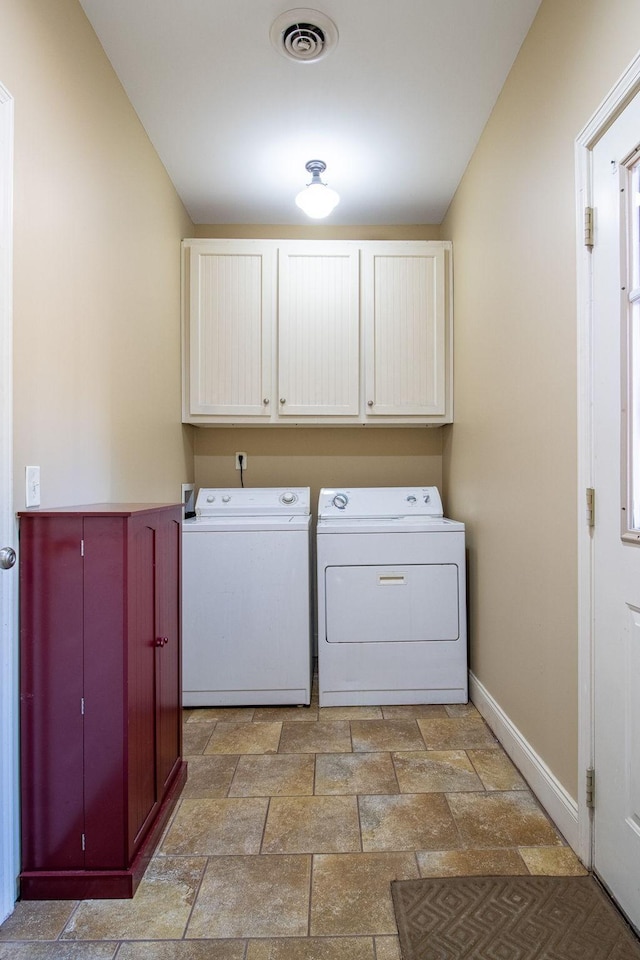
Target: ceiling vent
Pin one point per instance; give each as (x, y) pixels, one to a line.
(304, 35)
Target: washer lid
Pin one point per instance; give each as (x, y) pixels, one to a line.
(251, 524)
(253, 501)
(366, 503)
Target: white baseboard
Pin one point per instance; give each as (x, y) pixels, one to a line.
(560, 806)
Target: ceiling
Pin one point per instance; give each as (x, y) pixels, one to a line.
(395, 109)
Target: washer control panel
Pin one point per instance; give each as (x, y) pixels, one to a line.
(253, 501)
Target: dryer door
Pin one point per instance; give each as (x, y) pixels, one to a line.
(377, 604)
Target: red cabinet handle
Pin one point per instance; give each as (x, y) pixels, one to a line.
(161, 641)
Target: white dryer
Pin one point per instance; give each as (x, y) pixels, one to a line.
(391, 598)
(246, 621)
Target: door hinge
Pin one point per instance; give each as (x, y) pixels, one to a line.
(591, 507)
(84, 842)
(591, 788)
(588, 226)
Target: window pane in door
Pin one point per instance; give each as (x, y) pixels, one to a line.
(633, 364)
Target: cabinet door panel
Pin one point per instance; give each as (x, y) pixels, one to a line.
(104, 670)
(51, 693)
(231, 296)
(168, 660)
(318, 325)
(142, 635)
(405, 312)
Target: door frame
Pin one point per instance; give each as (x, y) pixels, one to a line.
(9, 778)
(614, 103)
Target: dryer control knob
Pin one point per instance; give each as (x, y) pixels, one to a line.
(427, 498)
(340, 500)
(412, 499)
(210, 498)
(226, 499)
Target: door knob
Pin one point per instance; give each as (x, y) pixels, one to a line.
(7, 558)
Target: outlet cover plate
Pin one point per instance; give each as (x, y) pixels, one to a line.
(32, 486)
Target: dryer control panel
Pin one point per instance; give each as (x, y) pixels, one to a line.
(368, 503)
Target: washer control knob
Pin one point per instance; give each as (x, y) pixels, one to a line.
(427, 498)
(340, 500)
(226, 498)
(210, 498)
(288, 497)
(412, 499)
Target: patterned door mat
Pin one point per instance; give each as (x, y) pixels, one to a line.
(510, 918)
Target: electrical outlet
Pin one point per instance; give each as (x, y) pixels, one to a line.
(244, 460)
(32, 486)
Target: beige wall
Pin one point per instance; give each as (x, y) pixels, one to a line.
(96, 298)
(510, 458)
(317, 231)
(318, 457)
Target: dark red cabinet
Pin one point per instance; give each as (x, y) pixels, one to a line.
(100, 693)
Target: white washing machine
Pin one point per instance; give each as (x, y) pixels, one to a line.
(392, 623)
(246, 621)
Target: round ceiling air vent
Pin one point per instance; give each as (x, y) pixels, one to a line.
(304, 35)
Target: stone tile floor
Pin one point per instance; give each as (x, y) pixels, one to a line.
(291, 826)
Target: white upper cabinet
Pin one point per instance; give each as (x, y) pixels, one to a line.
(228, 328)
(317, 332)
(404, 314)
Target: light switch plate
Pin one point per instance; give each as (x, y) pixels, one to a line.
(32, 486)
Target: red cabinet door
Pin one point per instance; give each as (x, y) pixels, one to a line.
(168, 658)
(104, 672)
(51, 693)
(141, 669)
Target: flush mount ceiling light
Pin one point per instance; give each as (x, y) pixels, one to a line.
(304, 35)
(317, 200)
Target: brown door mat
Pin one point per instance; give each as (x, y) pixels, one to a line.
(510, 918)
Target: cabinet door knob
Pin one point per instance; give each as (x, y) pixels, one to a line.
(161, 641)
(369, 403)
(282, 400)
(266, 401)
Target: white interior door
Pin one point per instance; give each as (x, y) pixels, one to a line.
(8, 535)
(616, 543)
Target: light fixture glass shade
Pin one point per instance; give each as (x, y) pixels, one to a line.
(317, 200)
